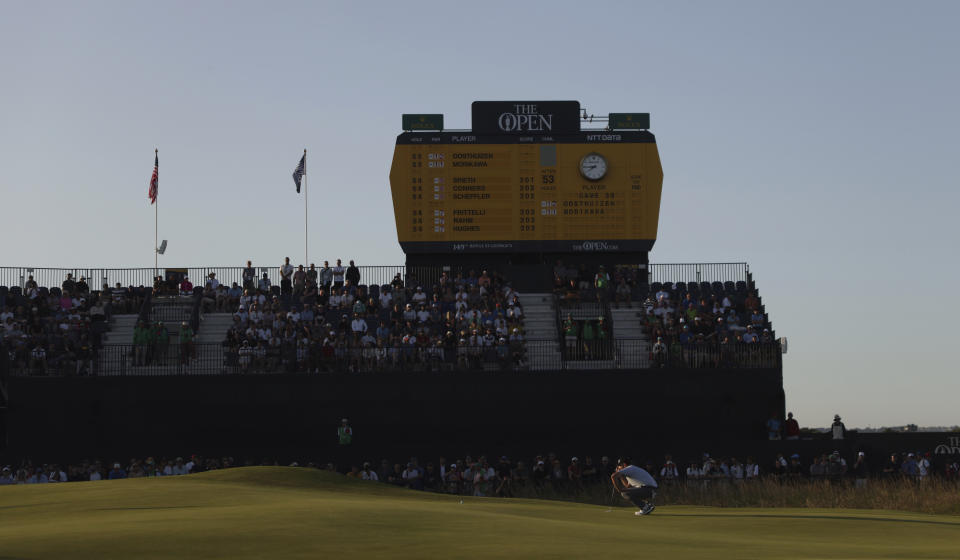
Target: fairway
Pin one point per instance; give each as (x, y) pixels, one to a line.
(276, 512)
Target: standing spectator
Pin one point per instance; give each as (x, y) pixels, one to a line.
(353, 274)
(574, 473)
(326, 275)
(345, 433)
(69, 284)
(602, 283)
(299, 281)
(923, 466)
(860, 471)
(669, 472)
(837, 428)
(891, 467)
(792, 427)
(773, 427)
(116, 472)
(338, 274)
(249, 277)
(286, 277)
(186, 343)
(659, 353)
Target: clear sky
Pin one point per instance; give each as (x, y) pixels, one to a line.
(815, 140)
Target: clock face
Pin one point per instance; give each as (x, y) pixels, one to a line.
(593, 166)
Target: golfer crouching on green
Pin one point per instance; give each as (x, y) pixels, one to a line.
(636, 485)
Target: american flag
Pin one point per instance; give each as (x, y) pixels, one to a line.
(154, 180)
(300, 171)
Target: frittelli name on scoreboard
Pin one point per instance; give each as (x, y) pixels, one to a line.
(515, 117)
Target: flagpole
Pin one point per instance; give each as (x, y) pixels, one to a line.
(156, 226)
(305, 221)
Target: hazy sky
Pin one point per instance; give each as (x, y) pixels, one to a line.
(814, 140)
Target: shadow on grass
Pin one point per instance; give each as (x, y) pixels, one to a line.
(814, 516)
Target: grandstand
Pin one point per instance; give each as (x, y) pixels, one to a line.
(527, 311)
(96, 334)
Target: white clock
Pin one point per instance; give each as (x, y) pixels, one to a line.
(593, 166)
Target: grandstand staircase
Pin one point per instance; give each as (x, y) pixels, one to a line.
(540, 327)
(172, 311)
(213, 328)
(633, 346)
(121, 329)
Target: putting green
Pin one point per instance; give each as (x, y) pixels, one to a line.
(276, 512)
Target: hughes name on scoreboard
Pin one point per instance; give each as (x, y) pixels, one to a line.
(526, 178)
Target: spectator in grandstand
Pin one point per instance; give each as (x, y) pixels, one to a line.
(339, 273)
(286, 277)
(299, 282)
(264, 284)
(249, 277)
(186, 286)
(208, 301)
(352, 274)
(326, 275)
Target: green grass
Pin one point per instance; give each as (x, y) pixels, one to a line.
(275, 512)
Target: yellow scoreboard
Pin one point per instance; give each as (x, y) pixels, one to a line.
(528, 190)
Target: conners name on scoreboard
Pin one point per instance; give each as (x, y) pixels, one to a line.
(526, 179)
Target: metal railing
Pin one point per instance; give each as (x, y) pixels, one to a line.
(698, 272)
(174, 358)
(369, 274)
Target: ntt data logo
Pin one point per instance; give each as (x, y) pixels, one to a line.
(525, 118)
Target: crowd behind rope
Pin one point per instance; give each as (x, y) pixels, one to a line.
(326, 319)
(481, 476)
(45, 329)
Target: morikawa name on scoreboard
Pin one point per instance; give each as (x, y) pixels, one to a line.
(519, 117)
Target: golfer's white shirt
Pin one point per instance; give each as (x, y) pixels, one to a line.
(637, 477)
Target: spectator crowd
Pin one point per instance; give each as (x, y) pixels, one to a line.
(326, 319)
(480, 476)
(696, 324)
(45, 329)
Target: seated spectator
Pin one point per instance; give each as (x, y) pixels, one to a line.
(186, 286)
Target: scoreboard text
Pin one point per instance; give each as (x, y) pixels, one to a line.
(575, 191)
